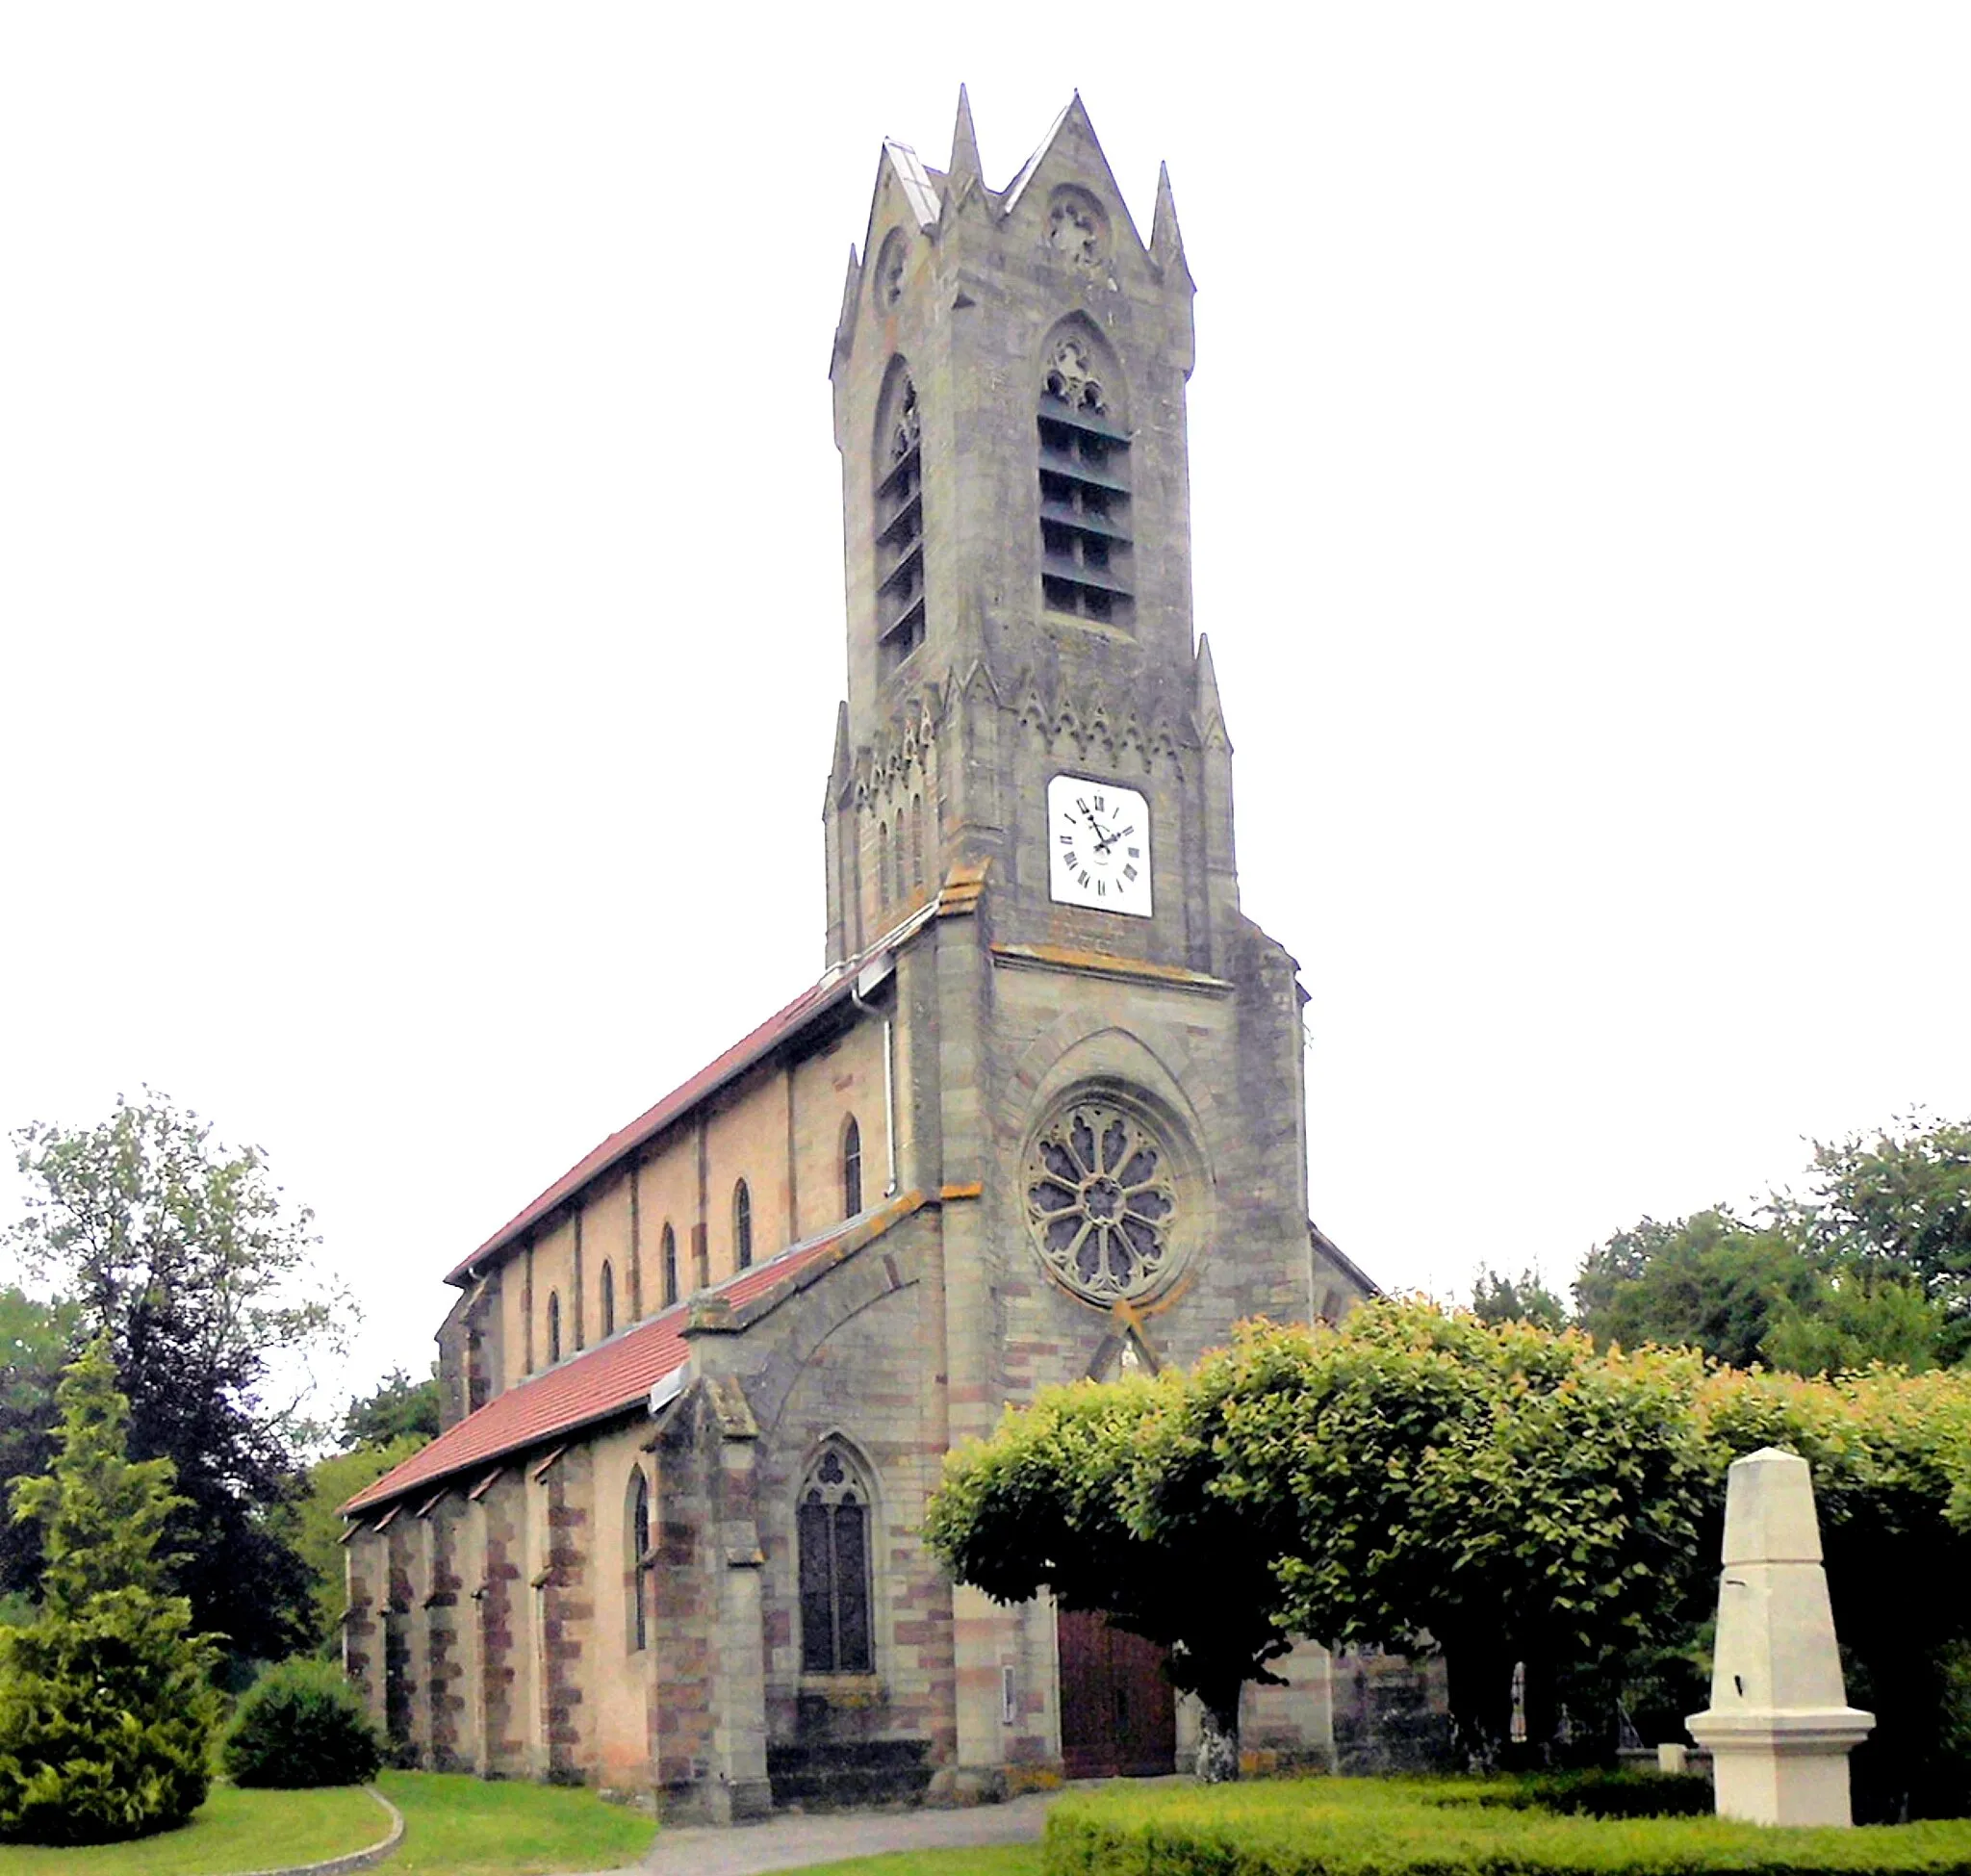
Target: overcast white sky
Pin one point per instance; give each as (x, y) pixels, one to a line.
(421, 577)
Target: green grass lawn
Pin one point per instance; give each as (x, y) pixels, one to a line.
(453, 1826)
(456, 1825)
(231, 1831)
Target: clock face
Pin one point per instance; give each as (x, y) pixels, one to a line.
(1099, 845)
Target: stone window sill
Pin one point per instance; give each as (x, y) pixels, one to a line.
(845, 1689)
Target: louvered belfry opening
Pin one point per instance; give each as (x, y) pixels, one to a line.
(900, 526)
(1085, 538)
(833, 1529)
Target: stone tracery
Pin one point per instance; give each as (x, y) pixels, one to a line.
(1071, 377)
(1100, 1201)
(1076, 228)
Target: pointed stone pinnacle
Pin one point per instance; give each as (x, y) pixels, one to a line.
(1207, 674)
(964, 148)
(838, 772)
(1166, 240)
(1211, 713)
(845, 319)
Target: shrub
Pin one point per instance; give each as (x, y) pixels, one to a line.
(302, 1723)
(1614, 1794)
(106, 1712)
(1448, 1827)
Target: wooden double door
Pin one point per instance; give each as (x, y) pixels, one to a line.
(1118, 1717)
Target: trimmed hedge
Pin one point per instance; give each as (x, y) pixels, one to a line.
(1612, 1794)
(1450, 1827)
(302, 1724)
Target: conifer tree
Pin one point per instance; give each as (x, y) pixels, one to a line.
(106, 1708)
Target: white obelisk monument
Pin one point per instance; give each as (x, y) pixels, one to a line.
(1780, 1728)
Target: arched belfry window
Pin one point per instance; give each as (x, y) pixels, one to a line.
(636, 1546)
(742, 1226)
(666, 1257)
(899, 519)
(833, 1528)
(851, 1169)
(609, 1286)
(553, 1327)
(1085, 521)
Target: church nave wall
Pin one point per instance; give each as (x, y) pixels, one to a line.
(844, 1078)
(745, 1138)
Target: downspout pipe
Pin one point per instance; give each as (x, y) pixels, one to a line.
(871, 975)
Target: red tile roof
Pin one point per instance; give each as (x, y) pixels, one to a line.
(611, 1378)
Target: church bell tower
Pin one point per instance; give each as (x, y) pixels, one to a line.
(1024, 688)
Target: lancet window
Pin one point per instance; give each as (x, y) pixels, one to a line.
(1085, 521)
(636, 1544)
(553, 1327)
(851, 1169)
(608, 1288)
(833, 1529)
(742, 1226)
(667, 1258)
(899, 520)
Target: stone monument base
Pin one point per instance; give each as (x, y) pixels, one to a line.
(1783, 1767)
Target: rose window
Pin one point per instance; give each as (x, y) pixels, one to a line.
(1100, 1201)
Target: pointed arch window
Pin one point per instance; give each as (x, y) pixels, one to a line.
(899, 520)
(851, 1169)
(742, 1226)
(636, 1544)
(917, 844)
(832, 1532)
(1085, 556)
(553, 1327)
(883, 865)
(667, 1258)
(608, 1288)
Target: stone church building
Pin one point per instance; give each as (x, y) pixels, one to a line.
(1041, 1117)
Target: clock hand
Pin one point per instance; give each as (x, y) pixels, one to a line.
(1103, 846)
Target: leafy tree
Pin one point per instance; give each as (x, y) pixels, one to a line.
(1098, 1493)
(34, 1342)
(398, 1406)
(106, 1710)
(1871, 1261)
(183, 1253)
(1899, 1204)
(1408, 1479)
(1502, 1490)
(1860, 1318)
(1521, 1299)
(1712, 1281)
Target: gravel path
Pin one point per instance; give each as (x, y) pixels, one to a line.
(793, 1843)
